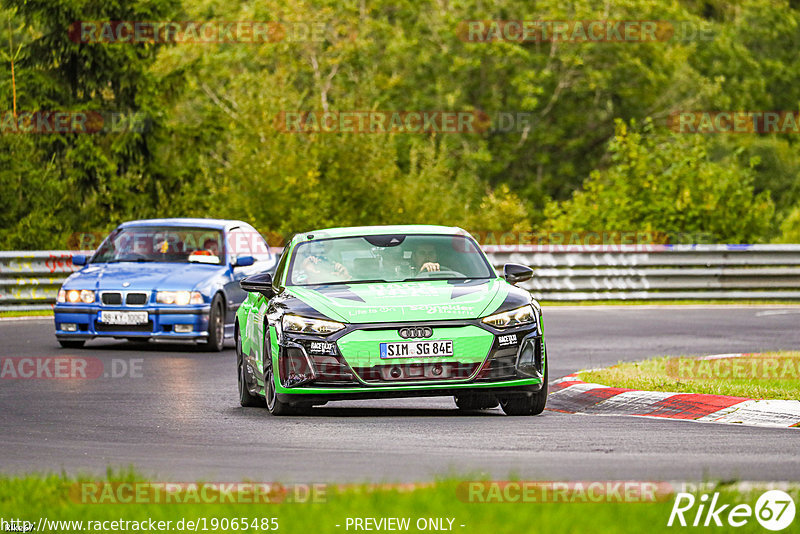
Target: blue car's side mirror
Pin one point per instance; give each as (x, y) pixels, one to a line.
(244, 261)
(78, 259)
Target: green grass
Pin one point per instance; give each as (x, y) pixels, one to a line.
(738, 377)
(31, 497)
(36, 313)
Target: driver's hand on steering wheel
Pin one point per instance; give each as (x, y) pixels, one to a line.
(429, 267)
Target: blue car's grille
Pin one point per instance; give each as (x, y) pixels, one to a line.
(111, 298)
(136, 299)
(115, 298)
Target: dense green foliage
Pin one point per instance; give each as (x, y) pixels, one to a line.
(597, 154)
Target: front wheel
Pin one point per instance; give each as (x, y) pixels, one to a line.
(527, 404)
(216, 325)
(274, 404)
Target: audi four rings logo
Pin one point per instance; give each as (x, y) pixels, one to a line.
(415, 331)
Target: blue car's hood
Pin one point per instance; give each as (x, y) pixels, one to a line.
(142, 276)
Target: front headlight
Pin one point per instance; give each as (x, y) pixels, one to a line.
(306, 325)
(181, 298)
(515, 317)
(74, 296)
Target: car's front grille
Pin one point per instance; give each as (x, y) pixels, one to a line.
(115, 298)
(111, 298)
(136, 299)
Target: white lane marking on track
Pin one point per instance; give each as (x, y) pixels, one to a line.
(776, 312)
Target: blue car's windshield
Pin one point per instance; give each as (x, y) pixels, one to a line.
(163, 244)
(386, 258)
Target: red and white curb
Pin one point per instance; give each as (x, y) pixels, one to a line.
(571, 395)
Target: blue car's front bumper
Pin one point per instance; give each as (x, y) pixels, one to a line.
(160, 326)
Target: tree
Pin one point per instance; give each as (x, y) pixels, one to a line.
(666, 183)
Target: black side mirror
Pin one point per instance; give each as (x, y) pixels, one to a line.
(78, 259)
(515, 273)
(258, 283)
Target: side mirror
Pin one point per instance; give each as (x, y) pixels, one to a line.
(515, 273)
(244, 261)
(259, 283)
(78, 259)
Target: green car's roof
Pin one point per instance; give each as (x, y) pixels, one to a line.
(357, 231)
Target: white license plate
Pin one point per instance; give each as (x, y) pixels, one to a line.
(416, 349)
(121, 317)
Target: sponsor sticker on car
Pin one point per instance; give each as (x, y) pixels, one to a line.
(416, 349)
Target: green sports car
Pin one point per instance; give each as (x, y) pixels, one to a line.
(388, 312)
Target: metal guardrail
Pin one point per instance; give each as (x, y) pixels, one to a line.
(657, 272)
(30, 280)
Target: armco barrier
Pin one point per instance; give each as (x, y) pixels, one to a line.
(30, 280)
(653, 272)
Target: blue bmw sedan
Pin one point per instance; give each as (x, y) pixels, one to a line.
(162, 279)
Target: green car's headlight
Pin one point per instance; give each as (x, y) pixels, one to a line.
(306, 325)
(515, 317)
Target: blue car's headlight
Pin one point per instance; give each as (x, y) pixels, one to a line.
(73, 296)
(180, 298)
(515, 317)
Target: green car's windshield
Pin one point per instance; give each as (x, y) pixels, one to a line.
(386, 258)
(163, 244)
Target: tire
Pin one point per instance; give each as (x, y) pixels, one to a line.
(71, 343)
(527, 404)
(248, 397)
(216, 325)
(274, 404)
(475, 401)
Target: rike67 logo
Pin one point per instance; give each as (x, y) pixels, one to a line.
(774, 510)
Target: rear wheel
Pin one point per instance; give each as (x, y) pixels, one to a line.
(475, 401)
(527, 404)
(248, 386)
(71, 343)
(216, 325)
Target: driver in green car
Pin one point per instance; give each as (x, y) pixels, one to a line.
(426, 258)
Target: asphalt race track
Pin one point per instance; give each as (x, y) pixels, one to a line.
(177, 417)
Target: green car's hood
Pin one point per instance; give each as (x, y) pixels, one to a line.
(432, 300)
